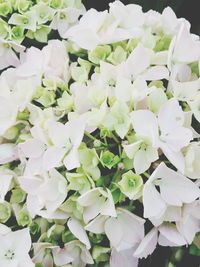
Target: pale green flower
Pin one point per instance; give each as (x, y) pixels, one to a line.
(43, 12)
(78, 182)
(40, 34)
(100, 254)
(118, 119)
(17, 33)
(118, 56)
(79, 73)
(72, 207)
(18, 196)
(5, 211)
(99, 53)
(27, 20)
(4, 29)
(131, 185)
(5, 8)
(108, 159)
(66, 102)
(23, 217)
(156, 99)
(89, 162)
(22, 5)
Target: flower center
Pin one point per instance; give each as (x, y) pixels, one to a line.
(9, 255)
(131, 183)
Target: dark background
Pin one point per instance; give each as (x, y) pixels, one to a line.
(189, 9)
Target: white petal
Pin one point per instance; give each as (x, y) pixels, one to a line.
(114, 231)
(175, 188)
(170, 116)
(123, 258)
(32, 148)
(52, 157)
(169, 236)
(97, 225)
(145, 124)
(8, 153)
(78, 231)
(109, 206)
(148, 244)
(186, 50)
(156, 73)
(154, 206)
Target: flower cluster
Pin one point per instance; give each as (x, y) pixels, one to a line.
(99, 135)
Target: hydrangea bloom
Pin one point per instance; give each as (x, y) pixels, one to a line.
(99, 134)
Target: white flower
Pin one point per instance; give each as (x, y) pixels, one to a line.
(8, 153)
(8, 56)
(173, 135)
(186, 48)
(175, 190)
(65, 18)
(51, 61)
(192, 155)
(124, 232)
(78, 231)
(14, 253)
(6, 177)
(73, 252)
(48, 191)
(123, 258)
(97, 201)
(40, 254)
(96, 28)
(48, 150)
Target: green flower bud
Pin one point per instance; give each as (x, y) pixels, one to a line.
(79, 74)
(39, 265)
(84, 63)
(66, 102)
(23, 5)
(24, 115)
(162, 43)
(131, 185)
(178, 254)
(23, 218)
(118, 56)
(55, 232)
(132, 44)
(100, 254)
(195, 68)
(108, 159)
(78, 182)
(71, 207)
(99, 53)
(170, 264)
(5, 212)
(89, 161)
(41, 34)
(5, 8)
(67, 236)
(11, 133)
(4, 29)
(117, 196)
(18, 196)
(96, 238)
(56, 3)
(97, 143)
(17, 33)
(47, 99)
(34, 228)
